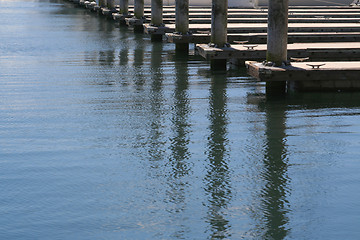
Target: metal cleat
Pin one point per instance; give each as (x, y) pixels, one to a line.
(316, 66)
(240, 42)
(250, 47)
(299, 59)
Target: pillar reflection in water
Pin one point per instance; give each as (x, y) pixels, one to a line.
(217, 179)
(139, 59)
(180, 154)
(274, 174)
(124, 52)
(156, 141)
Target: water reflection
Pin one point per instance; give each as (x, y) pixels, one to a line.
(180, 154)
(156, 141)
(274, 174)
(217, 179)
(139, 60)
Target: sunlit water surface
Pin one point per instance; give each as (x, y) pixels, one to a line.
(105, 135)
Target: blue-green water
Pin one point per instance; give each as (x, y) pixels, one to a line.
(105, 135)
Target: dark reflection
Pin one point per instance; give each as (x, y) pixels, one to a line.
(179, 144)
(156, 142)
(139, 59)
(274, 173)
(124, 55)
(217, 179)
(106, 57)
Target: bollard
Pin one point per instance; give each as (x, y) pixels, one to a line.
(156, 17)
(277, 40)
(182, 24)
(219, 30)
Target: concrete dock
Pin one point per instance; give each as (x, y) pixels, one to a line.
(315, 51)
(310, 76)
(327, 37)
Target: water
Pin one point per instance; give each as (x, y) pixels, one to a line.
(105, 135)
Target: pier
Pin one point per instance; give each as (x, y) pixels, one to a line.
(271, 47)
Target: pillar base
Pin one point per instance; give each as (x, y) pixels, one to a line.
(182, 48)
(156, 37)
(218, 64)
(275, 89)
(138, 28)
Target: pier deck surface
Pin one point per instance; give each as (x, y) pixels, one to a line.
(302, 76)
(315, 51)
(261, 38)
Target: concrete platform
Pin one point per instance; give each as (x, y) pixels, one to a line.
(315, 51)
(262, 27)
(149, 29)
(261, 38)
(303, 77)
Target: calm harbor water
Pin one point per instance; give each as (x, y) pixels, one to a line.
(105, 135)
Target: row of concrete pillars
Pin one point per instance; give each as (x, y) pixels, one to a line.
(277, 22)
(277, 27)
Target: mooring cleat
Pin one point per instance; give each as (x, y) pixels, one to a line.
(316, 66)
(204, 32)
(299, 59)
(240, 42)
(250, 47)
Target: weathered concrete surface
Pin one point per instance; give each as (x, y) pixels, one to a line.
(302, 76)
(124, 7)
(139, 9)
(157, 12)
(277, 31)
(219, 22)
(182, 16)
(316, 51)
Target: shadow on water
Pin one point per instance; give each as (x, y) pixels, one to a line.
(274, 174)
(272, 215)
(156, 142)
(180, 154)
(217, 180)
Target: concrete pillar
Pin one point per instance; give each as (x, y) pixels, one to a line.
(219, 30)
(157, 13)
(219, 22)
(111, 4)
(102, 3)
(277, 31)
(138, 14)
(277, 40)
(124, 7)
(182, 23)
(156, 17)
(139, 9)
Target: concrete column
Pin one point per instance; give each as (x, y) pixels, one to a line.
(157, 13)
(219, 22)
(139, 9)
(219, 30)
(156, 17)
(124, 7)
(102, 3)
(138, 14)
(277, 32)
(111, 4)
(182, 23)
